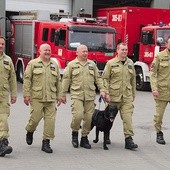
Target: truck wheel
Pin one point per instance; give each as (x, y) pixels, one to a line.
(140, 84)
(20, 73)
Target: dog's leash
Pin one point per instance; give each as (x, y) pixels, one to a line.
(100, 101)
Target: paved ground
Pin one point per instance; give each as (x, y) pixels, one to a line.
(149, 156)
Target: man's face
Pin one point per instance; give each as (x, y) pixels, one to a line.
(122, 51)
(45, 52)
(2, 45)
(168, 44)
(82, 53)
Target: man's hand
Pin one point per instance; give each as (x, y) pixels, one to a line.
(103, 95)
(107, 98)
(58, 101)
(64, 100)
(13, 100)
(155, 93)
(27, 100)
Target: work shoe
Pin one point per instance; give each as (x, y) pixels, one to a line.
(160, 138)
(75, 142)
(129, 144)
(46, 146)
(29, 137)
(85, 142)
(4, 148)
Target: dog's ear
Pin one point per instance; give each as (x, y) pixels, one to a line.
(107, 108)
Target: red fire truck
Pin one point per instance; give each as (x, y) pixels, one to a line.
(28, 33)
(144, 30)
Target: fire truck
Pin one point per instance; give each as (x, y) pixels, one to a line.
(144, 30)
(29, 31)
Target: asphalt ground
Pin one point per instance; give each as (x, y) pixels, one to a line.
(149, 155)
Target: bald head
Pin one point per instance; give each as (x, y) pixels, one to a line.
(80, 47)
(43, 46)
(45, 52)
(82, 52)
(2, 45)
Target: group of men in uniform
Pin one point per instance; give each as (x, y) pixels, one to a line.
(43, 88)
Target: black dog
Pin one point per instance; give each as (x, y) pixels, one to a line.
(103, 120)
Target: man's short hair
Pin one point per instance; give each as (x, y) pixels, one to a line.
(2, 37)
(122, 43)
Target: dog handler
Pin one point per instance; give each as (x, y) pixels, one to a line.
(120, 81)
(160, 84)
(81, 75)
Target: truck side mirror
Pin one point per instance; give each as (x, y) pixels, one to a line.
(8, 29)
(57, 35)
(119, 41)
(147, 38)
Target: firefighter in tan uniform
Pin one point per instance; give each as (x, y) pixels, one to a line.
(41, 89)
(120, 81)
(160, 84)
(81, 75)
(8, 87)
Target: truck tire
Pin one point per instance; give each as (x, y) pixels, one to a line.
(140, 84)
(20, 73)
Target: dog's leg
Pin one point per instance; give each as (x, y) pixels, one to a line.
(105, 141)
(97, 136)
(108, 141)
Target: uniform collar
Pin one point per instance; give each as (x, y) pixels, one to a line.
(118, 61)
(77, 61)
(168, 52)
(2, 56)
(41, 61)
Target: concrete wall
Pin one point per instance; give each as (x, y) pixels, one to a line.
(87, 5)
(2, 17)
(50, 5)
(161, 4)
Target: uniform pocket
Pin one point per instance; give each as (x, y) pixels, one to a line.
(37, 74)
(164, 64)
(128, 91)
(114, 90)
(115, 72)
(91, 75)
(6, 71)
(75, 72)
(6, 90)
(92, 91)
(54, 73)
(53, 77)
(75, 89)
(76, 76)
(53, 94)
(37, 92)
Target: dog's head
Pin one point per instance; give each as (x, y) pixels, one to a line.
(111, 112)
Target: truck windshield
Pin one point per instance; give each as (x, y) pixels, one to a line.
(95, 41)
(162, 35)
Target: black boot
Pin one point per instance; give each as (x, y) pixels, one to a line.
(160, 138)
(129, 144)
(46, 146)
(75, 142)
(85, 143)
(4, 148)
(29, 138)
